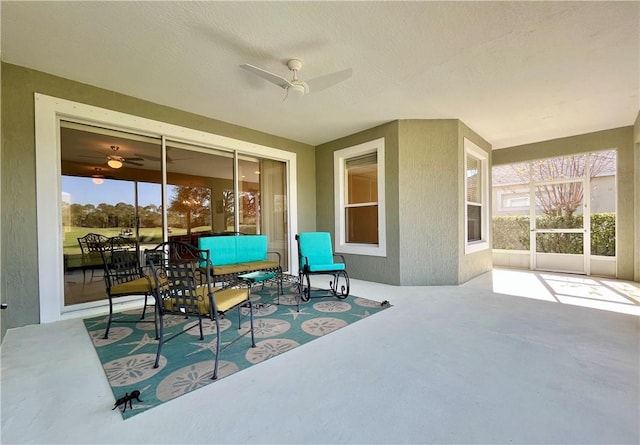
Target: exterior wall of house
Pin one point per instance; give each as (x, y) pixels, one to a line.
(636, 155)
(370, 268)
(473, 264)
(18, 231)
(627, 176)
(424, 204)
(428, 197)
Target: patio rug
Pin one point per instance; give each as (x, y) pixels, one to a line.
(186, 362)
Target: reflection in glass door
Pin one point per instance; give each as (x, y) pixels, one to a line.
(111, 186)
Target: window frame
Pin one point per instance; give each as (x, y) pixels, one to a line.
(340, 158)
(473, 150)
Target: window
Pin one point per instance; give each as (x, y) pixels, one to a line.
(359, 199)
(476, 192)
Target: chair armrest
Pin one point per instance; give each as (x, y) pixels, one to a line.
(279, 257)
(340, 256)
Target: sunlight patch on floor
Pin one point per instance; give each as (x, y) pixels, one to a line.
(591, 292)
(520, 284)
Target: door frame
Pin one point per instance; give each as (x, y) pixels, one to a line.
(586, 223)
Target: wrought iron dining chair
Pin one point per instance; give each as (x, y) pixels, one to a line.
(90, 258)
(316, 257)
(183, 287)
(124, 275)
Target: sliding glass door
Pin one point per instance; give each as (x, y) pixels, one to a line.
(112, 185)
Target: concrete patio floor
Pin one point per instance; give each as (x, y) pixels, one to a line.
(509, 357)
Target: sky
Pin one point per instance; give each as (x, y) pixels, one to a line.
(83, 191)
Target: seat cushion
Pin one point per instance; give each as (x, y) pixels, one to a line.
(134, 287)
(260, 265)
(229, 298)
(225, 299)
(326, 267)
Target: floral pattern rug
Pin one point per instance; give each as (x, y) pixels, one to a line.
(186, 362)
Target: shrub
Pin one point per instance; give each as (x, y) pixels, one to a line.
(513, 233)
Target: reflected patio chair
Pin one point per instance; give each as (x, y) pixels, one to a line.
(183, 288)
(316, 257)
(124, 275)
(90, 258)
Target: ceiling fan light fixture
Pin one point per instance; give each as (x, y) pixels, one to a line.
(98, 178)
(296, 90)
(114, 162)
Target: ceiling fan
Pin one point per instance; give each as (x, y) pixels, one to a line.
(296, 86)
(115, 161)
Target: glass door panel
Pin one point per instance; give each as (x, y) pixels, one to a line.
(106, 198)
(199, 192)
(249, 191)
(272, 208)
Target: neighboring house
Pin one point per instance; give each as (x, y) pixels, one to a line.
(511, 194)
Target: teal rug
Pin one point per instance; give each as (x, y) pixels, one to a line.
(186, 363)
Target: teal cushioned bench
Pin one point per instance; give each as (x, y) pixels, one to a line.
(238, 254)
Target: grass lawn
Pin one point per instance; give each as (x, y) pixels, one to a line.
(149, 235)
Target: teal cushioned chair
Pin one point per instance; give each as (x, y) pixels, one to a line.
(316, 257)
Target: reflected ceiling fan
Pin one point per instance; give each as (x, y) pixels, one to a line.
(115, 161)
(170, 160)
(296, 86)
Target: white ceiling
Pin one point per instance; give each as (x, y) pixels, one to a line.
(515, 72)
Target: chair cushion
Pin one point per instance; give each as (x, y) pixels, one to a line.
(133, 287)
(225, 299)
(326, 267)
(315, 248)
(251, 248)
(229, 298)
(260, 265)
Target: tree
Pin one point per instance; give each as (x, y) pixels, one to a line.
(563, 200)
(194, 203)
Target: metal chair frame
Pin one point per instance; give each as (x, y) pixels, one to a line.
(336, 288)
(181, 286)
(121, 259)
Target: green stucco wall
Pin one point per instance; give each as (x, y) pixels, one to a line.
(620, 138)
(18, 230)
(423, 174)
(636, 156)
(428, 196)
(370, 268)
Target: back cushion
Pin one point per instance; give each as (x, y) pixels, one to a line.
(222, 248)
(251, 248)
(316, 246)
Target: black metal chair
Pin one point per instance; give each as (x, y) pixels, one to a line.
(183, 287)
(124, 275)
(90, 246)
(316, 257)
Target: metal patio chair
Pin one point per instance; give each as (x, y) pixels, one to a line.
(316, 257)
(183, 287)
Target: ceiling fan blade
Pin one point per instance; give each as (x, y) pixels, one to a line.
(329, 80)
(266, 75)
(134, 159)
(152, 158)
(128, 161)
(91, 157)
